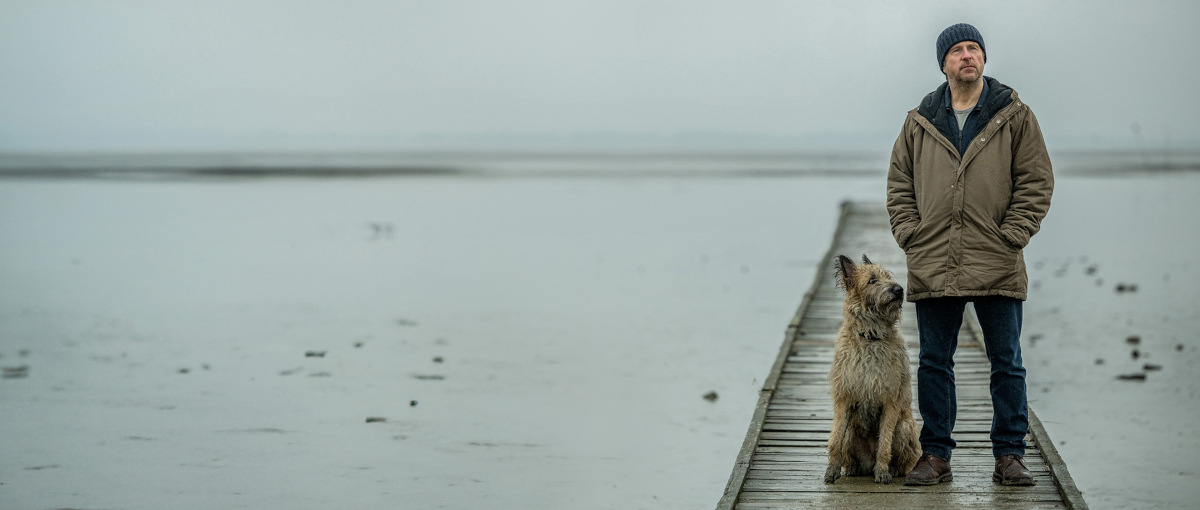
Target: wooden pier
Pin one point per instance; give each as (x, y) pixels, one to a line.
(783, 459)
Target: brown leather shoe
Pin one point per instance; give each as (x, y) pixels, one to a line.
(1011, 470)
(929, 470)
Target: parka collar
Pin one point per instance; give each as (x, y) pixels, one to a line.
(996, 96)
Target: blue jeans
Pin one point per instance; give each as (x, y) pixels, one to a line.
(938, 320)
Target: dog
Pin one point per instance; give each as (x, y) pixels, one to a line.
(873, 427)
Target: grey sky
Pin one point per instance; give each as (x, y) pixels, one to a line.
(345, 75)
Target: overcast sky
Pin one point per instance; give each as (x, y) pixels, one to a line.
(351, 75)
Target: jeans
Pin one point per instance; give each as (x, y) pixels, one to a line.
(939, 320)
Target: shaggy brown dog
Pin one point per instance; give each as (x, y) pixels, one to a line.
(873, 426)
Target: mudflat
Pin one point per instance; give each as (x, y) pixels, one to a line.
(588, 343)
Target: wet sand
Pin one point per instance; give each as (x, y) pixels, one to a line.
(430, 342)
(1115, 277)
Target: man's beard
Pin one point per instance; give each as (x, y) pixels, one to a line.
(960, 81)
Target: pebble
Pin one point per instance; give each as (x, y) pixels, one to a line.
(1132, 377)
(1133, 340)
(16, 372)
(314, 354)
(711, 396)
(376, 419)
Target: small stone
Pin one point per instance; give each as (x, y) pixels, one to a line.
(429, 377)
(1132, 377)
(437, 359)
(1135, 354)
(711, 396)
(1151, 367)
(376, 419)
(16, 372)
(184, 370)
(1179, 347)
(1133, 340)
(412, 403)
(1099, 361)
(314, 354)
(358, 345)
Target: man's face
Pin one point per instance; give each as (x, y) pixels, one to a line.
(964, 62)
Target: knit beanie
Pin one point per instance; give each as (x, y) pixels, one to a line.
(954, 35)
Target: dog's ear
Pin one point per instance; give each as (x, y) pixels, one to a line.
(866, 260)
(843, 271)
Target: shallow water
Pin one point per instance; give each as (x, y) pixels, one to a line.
(579, 323)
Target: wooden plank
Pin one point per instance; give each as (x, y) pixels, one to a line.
(934, 496)
(867, 484)
(914, 500)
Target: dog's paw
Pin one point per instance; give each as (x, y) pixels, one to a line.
(832, 474)
(883, 476)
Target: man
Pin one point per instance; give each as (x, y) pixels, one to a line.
(968, 185)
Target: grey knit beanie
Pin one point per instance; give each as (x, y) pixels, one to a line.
(954, 35)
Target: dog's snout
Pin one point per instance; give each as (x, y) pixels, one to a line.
(897, 290)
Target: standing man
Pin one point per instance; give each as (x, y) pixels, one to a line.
(968, 185)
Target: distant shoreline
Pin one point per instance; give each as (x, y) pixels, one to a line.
(525, 164)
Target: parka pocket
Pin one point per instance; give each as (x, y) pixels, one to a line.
(990, 261)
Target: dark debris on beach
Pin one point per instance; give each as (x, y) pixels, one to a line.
(18, 372)
(1122, 288)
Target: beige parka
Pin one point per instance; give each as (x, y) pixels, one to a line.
(963, 221)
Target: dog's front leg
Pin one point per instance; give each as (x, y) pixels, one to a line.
(839, 437)
(887, 429)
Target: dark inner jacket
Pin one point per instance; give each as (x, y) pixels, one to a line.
(938, 109)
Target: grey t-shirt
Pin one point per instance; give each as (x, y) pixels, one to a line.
(961, 115)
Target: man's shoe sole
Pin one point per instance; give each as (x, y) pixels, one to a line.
(944, 478)
(1017, 483)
